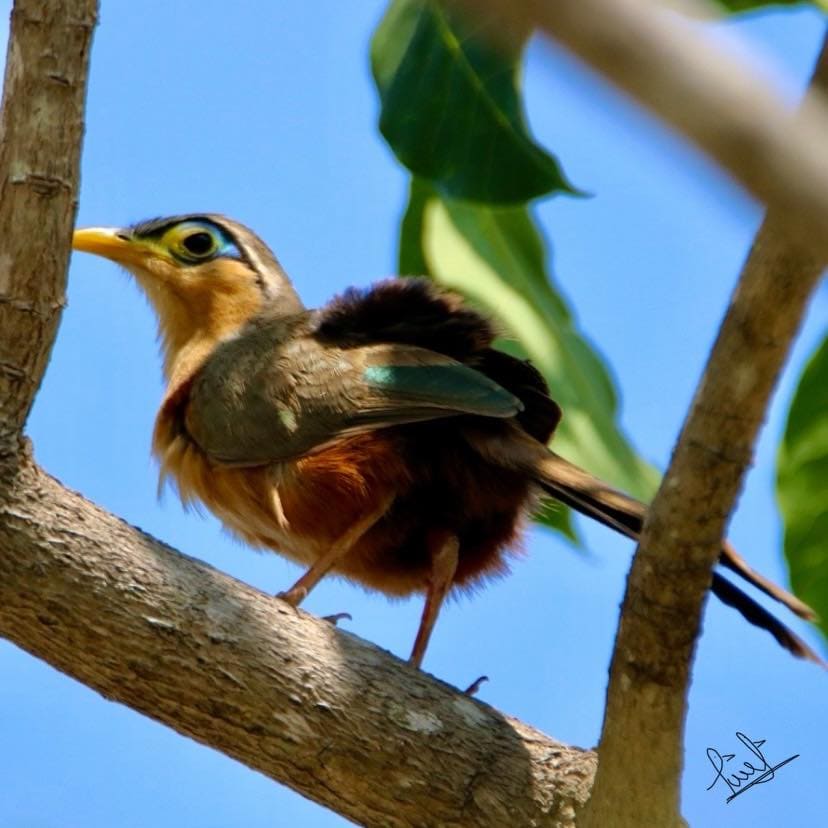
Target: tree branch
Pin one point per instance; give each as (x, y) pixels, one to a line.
(670, 576)
(319, 710)
(680, 544)
(42, 124)
(708, 96)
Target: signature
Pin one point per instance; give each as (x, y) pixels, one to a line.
(757, 772)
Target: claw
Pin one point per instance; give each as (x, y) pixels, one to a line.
(337, 617)
(472, 689)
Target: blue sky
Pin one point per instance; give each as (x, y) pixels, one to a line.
(268, 115)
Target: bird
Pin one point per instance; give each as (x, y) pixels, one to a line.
(382, 437)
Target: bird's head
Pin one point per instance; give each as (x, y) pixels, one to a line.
(205, 276)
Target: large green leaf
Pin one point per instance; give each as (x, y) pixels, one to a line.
(496, 258)
(750, 5)
(451, 110)
(802, 485)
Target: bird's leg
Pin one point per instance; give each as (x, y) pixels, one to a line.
(338, 549)
(444, 551)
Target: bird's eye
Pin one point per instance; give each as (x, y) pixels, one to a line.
(195, 242)
(200, 244)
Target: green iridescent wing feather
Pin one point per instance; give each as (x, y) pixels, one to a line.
(444, 385)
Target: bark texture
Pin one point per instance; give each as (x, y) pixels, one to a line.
(42, 123)
(333, 717)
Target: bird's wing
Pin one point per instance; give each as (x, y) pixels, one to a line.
(258, 400)
(402, 380)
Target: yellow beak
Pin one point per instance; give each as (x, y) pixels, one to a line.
(110, 242)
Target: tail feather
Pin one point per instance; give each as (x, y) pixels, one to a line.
(736, 563)
(578, 489)
(757, 615)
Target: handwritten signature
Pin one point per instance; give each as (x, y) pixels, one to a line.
(736, 781)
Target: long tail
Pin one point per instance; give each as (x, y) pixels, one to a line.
(588, 495)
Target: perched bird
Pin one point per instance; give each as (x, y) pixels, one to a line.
(381, 437)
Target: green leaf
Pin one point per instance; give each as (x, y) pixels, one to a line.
(496, 258)
(751, 5)
(802, 485)
(451, 110)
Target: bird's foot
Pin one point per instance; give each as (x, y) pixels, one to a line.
(472, 689)
(293, 596)
(337, 617)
